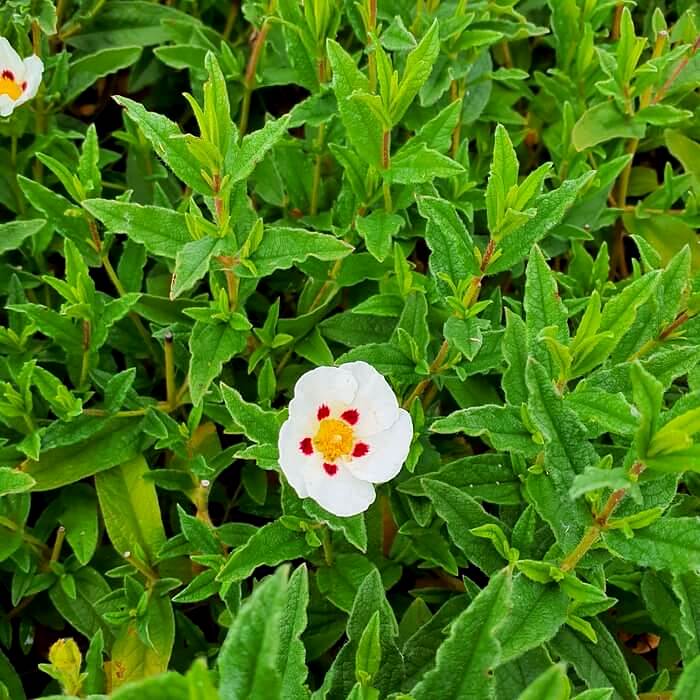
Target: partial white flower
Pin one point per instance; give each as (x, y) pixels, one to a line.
(345, 432)
(19, 79)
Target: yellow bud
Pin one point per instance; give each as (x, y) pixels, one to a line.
(66, 659)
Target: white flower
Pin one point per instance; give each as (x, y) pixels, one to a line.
(345, 432)
(19, 79)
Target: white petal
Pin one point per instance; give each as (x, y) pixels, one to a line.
(9, 58)
(387, 452)
(7, 106)
(375, 400)
(323, 385)
(33, 70)
(293, 462)
(341, 494)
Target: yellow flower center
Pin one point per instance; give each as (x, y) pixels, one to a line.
(334, 439)
(10, 87)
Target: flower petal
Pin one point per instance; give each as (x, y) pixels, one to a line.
(7, 105)
(387, 452)
(339, 493)
(375, 400)
(330, 386)
(294, 463)
(9, 58)
(33, 70)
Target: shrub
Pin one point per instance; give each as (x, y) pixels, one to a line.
(490, 206)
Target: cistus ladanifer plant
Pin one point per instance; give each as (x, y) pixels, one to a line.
(349, 349)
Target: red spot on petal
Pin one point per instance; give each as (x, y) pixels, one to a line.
(306, 447)
(330, 469)
(350, 416)
(323, 412)
(24, 86)
(360, 449)
(8, 74)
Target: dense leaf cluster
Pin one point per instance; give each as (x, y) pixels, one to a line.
(494, 204)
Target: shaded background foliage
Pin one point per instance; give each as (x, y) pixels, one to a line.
(505, 228)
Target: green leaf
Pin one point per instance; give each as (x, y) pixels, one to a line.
(341, 581)
(462, 514)
(451, 246)
(417, 164)
(86, 71)
(131, 657)
(378, 229)
(594, 479)
(270, 545)
(385, 357)
(648, 394)
(414, 323)
(353, 528)
(130, 509)
(550, 210)
(566, 454)
(369, 651)
(166, 139)
(687, 587)
(291, 654)
(603, 412)
(162, 231)
(472, 647)
(170, 685)
(134, 22)
(115, 440)
(503, 176)
(551, 685)
(211, 345)
(464, 335)
(255, 146)
(419, 65)
(282, 247)
(83, 612)
(248, 661)
(689, 682)
(686, 151)
(668, 543)
(602, 123)
(538, 611)
(61, 214)
(543, 309)
(487, 477)
(599, 664)
(370, 598)
(192, 263)
(255, 423)
(14, 481)
(14, 233)
(10, 679)
(501, 424)
(515, 353)
(79, 518)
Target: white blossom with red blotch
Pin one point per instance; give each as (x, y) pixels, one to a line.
(19, 79)
(345, 433)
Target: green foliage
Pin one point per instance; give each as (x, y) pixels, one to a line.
(494, 204)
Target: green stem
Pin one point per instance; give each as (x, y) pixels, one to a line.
(249, 79)
(327, 546)
(230, 20)
(116, 282)
(58, 543)
(169, 370)
(29, 539)
(85, 367)
(602, 519)
(320, 138)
